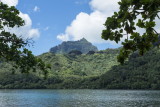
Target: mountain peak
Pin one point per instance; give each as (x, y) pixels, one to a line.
(81, 45)
(83, 39)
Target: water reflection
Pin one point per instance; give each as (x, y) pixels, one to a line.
(79, 98)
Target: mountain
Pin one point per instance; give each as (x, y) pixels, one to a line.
(67, 71)
(98, 70)
(81, 45)
(139, 72)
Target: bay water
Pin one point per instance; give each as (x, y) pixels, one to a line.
(79, 98)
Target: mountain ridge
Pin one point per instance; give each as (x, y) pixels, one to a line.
(81, 45)
(89, 71)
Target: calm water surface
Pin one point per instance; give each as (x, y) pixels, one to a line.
(79, 98)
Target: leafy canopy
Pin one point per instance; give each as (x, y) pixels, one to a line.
(133, 14)
(12, 47)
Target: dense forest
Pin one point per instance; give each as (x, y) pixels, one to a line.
(79, 64)
(95, 71)
(66, 70)
(139, 72)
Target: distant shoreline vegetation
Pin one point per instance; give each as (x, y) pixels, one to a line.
(89, 71)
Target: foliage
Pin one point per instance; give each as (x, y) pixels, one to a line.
(133, 14)
(66, 71)
(12, 47)
(91, 52)
(75, 52)
(94, 64)
(96, 71)
(82, 45)
(140, 72)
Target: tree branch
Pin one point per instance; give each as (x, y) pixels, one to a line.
(156, 32)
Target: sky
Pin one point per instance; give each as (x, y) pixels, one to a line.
(50, 22)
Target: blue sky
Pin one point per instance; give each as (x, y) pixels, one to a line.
(51, 19)
(50, 22)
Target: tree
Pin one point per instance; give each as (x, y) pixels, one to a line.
(75, 52)
(91, 52)
(12, 47)
(133, 14)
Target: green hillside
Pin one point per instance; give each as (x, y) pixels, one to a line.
(140, 72)
(94, 71)
(65, 69)
(82, 65)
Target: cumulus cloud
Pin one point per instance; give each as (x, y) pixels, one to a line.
(36, 9)
(33, 33)
(104, 6)
(90, 26)
(10, 2)
(26, 31)
(85, 25)
(63, 37)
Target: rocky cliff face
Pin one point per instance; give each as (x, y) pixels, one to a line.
(81, 45)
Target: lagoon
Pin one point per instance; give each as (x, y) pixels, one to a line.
(79, 98)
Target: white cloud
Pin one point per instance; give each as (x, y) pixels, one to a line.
(10, 2)
(33, 33)
(26, 31)
(90, 26)
(26, 18)
(36, 9)
(104, 6)
(63, 37)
